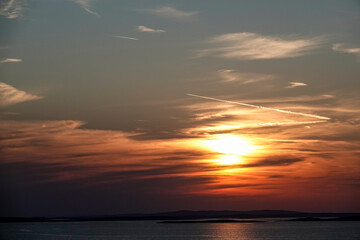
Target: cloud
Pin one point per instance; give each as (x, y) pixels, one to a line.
(147, 29)
(222, 117)
(170, 12)
(277, 161)
(65, 152)
(12, 8)
(40, 156)
(124, 37)
(10, 95)
(229, 75)
(305, 98)
(296, 84)
(252, 46)
(86, 5)
(9, 60)
(339, 47)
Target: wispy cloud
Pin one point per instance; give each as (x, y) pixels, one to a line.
(296, 84)
(170, 12)
(147, 29)
(54, 154)
(251, 46)
(339, 47)
(86, 5)
(125, 159)
(124, 37)
(275, 161)
(305, 98)
(10, 95)
(11, 60)
(11, 8)
(229, 75)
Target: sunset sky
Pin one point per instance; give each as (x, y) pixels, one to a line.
(111, 106)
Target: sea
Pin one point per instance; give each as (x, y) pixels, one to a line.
(132, 230)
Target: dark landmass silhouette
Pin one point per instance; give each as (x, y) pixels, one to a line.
(214, 221)
(197, 215)
(312, 219)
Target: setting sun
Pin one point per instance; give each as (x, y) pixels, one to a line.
(228, 160)
(230, 144)
(231, 147)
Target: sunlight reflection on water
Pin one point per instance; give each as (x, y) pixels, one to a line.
(152, 230)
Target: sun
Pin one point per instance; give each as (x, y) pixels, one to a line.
(230, 144)
(232, 148)
(228, 160)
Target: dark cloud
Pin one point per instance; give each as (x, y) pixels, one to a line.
(276, 176)
(275, 161)
(122, 173)
(236, 185)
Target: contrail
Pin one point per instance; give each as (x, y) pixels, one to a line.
(126, 37)
(266, 108)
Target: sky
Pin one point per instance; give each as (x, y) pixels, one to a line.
(111, 107)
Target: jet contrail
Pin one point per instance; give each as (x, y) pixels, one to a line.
(130, 38)
(255, 106)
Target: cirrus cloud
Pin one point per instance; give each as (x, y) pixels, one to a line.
(339, 47)
(170, 12)
(11, 8)
(296, 84)
(124, 37)
(86, 5)
(230, 75)
(252, 46)
(10, 95)
(11, 60)
(147, 29)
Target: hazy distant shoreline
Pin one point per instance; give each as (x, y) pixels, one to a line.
(201, 216)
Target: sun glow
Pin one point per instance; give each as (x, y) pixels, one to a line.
(228, 160)
(231, 146)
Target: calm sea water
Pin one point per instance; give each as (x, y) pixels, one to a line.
(152, 230)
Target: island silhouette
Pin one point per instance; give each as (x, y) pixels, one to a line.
(187, 216)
